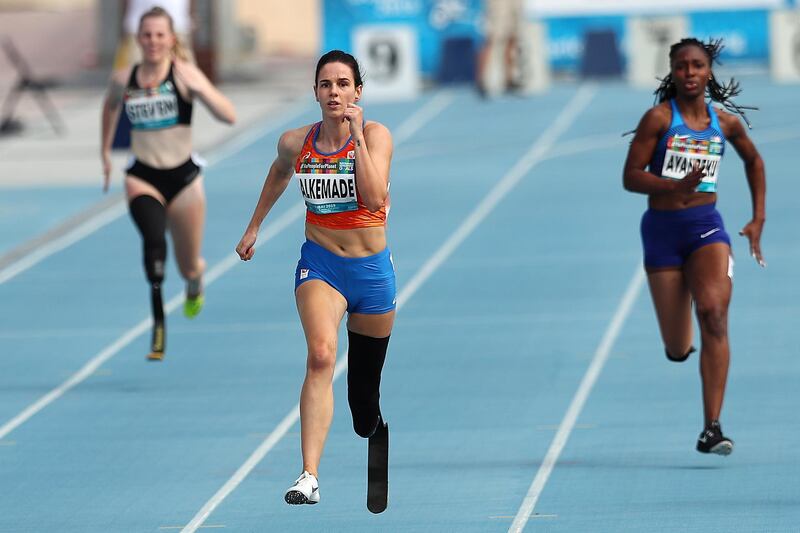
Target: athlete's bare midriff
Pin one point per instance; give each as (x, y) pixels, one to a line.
(669, 202)
(166, 148)
(359, 242)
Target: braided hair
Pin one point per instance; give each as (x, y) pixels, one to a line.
(716, 91)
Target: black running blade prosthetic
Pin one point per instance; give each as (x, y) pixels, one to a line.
(157, 341)
(378, 470)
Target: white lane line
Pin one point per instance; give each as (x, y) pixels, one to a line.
(589, 143)
(597, 142)
(535, 154)
(64, 227)
(88, 227)
(433, 107)
(578, 401)
(567, 116)
(250, 136)
(772, 135)
(217, 526)
(197, 329)
(116, 210)
(270, 231)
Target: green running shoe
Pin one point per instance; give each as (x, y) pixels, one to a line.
(192, 306)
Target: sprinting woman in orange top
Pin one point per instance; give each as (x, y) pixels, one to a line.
(342, 167)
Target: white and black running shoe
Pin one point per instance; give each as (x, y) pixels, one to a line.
(712, 440)
(304, 490)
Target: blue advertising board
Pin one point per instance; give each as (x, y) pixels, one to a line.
(745, 32)
(433, 20)
(745, 35)
(565, 37)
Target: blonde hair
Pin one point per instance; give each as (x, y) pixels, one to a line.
(178, 50)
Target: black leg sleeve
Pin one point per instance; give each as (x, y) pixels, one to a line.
(365, 357)
(151, 219)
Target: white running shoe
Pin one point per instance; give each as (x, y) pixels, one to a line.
(304, 490)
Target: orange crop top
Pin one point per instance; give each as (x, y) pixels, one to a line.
(328, 185)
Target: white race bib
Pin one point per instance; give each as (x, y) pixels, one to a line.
(328, 186)
(151, 111)
(684, 154)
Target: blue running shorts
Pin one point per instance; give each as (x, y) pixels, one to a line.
(670, 237)
(367, 283)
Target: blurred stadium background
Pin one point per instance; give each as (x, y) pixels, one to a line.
(66, 49)
(55, 58)
(75, 40)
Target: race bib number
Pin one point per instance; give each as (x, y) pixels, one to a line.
(684, 154)
(328, 186)
(152, 109)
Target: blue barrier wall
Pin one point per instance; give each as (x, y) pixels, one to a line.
(565, 37)
(433, 20)
(746, 33)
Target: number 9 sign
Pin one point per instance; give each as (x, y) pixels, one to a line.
(389, 57)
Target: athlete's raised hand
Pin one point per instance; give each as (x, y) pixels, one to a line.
(690, 182)
(246, 247)
(752, 231)
(354, 115)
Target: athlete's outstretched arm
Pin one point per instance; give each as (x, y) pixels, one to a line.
(634, 177)
(756, 179)
(278, 177)
(373, 145)
(108, 121)
(201, 86)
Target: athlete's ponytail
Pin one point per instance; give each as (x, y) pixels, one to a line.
(179, 50)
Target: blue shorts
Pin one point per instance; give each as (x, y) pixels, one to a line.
(367, 283)
(670, 237)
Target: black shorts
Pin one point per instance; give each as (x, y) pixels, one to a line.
(168, 181)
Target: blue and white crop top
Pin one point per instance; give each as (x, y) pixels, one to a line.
(157, 107)
(681, 148)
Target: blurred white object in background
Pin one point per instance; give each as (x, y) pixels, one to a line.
(534, 64)
(784, 32)
(649, 39)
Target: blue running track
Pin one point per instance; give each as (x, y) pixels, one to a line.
(519, 269)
